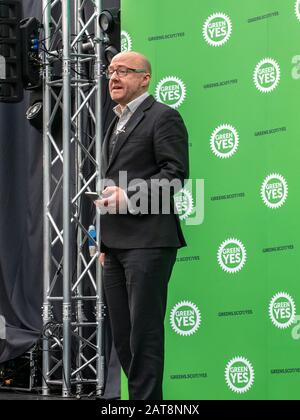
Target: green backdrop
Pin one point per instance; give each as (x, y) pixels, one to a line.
(232, 70)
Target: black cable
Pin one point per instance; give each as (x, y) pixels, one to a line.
(59, 58)
(52, 35)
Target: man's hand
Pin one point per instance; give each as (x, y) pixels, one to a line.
(114, 199)
(102, 259)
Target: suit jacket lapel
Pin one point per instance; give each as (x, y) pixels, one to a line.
(123, 136)
(135, 119)
(104, 158)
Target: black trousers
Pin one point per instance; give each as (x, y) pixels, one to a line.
(135, 284)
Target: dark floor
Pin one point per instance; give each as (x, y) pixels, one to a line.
(8, 395)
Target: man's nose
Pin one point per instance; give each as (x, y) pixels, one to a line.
(114, 75)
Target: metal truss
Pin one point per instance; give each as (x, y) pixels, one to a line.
(73, 350)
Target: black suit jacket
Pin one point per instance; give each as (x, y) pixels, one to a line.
(154, 146)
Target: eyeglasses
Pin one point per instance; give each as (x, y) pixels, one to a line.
(122, 72)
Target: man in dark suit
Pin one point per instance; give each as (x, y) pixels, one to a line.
(148, 142)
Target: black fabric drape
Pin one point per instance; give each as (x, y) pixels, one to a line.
(21, 195)
(21, 226)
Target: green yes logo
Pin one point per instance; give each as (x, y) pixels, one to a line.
(126, 42)
(232, 256)
(239, 375)
(185, 318)
(282, 311)
(266, 75)
(184, 203)
(217, 29)
(224, 141)
(274, 191)
(171, 91)
(297, 9)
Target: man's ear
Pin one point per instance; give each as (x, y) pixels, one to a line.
(147, 80)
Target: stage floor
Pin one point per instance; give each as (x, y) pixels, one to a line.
(9, 396)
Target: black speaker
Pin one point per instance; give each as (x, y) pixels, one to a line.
(22, 373)
(11, 87)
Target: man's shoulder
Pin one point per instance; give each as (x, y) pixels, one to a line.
(161, 108)
(158, 111)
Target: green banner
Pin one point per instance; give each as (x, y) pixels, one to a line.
(232, 69)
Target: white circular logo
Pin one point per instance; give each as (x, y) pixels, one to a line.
(224, 141)
(297, 9)
(232, 256)
(184, 203)
(185, 318)
(282, 311)
(171, 91)
(239, 375)
(217, 29)
(126, 42)
(266, 75)
(274, 191)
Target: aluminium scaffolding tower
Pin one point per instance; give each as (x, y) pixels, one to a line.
(73, 350)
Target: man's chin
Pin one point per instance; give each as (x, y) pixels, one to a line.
(116, 98)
